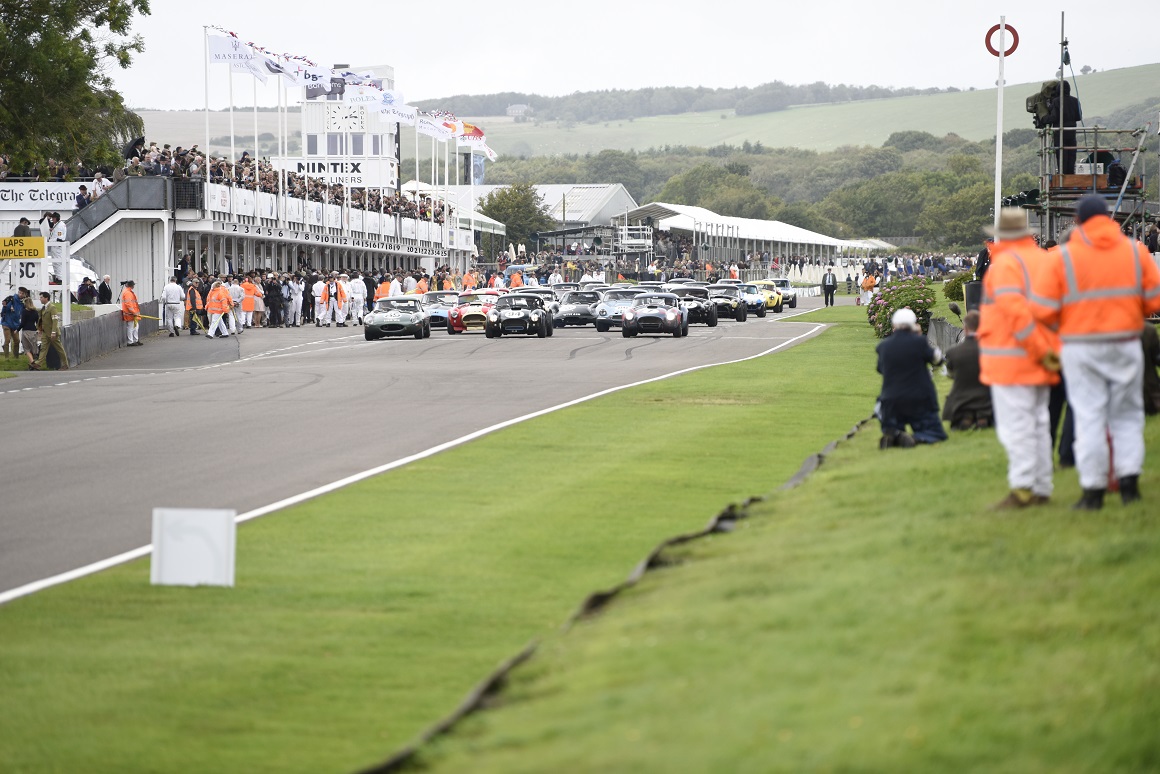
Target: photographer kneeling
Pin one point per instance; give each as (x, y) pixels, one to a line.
(908, 396)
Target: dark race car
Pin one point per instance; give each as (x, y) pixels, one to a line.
(697, 303)
(560, 288)
(655, 313)
(729, 301)
(577, 308)
(522, 313)
(397, 316)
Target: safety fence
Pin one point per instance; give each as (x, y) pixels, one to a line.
(87, 340)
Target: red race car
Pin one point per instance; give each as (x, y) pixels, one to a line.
(471, 312)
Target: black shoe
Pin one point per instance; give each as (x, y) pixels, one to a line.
(1092, 500)
(1130, 489)
(177, 331)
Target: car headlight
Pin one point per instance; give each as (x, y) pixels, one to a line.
(604, 312)
(453, 313)
(493, 316)
(628, 315)
(671, 314)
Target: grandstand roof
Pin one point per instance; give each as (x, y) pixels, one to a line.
(582, 204)
(668, 216)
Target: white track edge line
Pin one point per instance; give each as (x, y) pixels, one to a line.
(137, 553)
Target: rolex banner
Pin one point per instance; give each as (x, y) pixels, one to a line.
(430, 127)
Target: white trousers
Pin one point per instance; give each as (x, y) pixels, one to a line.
(294, 312)
(131, 329)
(1021, 422)
(358, 304)
(216, 320)
(339, 311)
(172, 314)
(319, 310)
(1105, 389)
(247, 319)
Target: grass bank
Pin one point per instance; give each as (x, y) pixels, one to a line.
(360, 618)
(878, 618)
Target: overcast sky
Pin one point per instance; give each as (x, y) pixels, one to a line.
(441, 49)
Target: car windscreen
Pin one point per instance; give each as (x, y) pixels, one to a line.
(690, 292)
(620, 295)
(652, 301)
(472, 298)
(445, 299)
(580, 297)
(397, 305)
(752, 289)
(725, 290)
(514, 302)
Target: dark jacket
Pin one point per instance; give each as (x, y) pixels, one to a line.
(104, 293)
(967, 394)
(1151, 343)
(10, 317)
(902, 360)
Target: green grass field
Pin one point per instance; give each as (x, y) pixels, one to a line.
(360, 618)
(969, 114)
(878, 618)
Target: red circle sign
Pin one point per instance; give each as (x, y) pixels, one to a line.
(1014, 40)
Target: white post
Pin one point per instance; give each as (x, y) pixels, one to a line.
(233, 154)
(999, 120)
(205, 34)
(66, 284)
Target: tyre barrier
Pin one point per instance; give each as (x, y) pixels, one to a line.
(492, 684)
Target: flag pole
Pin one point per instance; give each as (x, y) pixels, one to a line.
(233, 155)
(999, 120)
(205, 34)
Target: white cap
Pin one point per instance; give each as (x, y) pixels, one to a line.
(904, 318)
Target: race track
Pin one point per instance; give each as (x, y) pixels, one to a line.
(245, 422)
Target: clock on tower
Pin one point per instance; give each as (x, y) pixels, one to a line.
(344, 118)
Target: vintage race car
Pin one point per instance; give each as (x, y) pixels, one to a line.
(471, 314)
(773, 300)
(577, 308)
(438, 304)
(519, 313)
(729, 303)
(655, 313)
(397, 316)
(560, 288)
(754, 299)
(783, 286)
(699, 308)
(612, 305)
(551, 303)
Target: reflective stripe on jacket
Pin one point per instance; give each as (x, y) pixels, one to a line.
(218, 301)
(1013, 334)
(1106, 283)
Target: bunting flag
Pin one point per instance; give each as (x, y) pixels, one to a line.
(491, 155)
(394, 106)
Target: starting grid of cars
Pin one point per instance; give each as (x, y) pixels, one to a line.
(667, 308)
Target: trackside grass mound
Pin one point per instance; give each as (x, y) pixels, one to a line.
(878, 618)
(360, 618)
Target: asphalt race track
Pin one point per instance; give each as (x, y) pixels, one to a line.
(245, 422)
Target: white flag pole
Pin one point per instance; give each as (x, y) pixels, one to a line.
(233, 155)
(999, 120)
(205, 34)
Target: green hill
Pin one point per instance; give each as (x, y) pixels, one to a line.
(969, 114)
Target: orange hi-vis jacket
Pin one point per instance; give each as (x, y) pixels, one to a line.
(252, 291)
(421, 286)
(130, 310)
(383, 290)
(218, 301)
(339, 294)
(468, 281)
(1013, 322)
(517, 280)
(1105, 282)
(193, 300)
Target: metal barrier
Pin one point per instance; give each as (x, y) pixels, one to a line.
(943, 333)
(87, 340)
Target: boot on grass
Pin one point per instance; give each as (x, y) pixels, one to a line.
(1129, 489)
(1092, 500)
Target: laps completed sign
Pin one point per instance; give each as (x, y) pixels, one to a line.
(22, 248)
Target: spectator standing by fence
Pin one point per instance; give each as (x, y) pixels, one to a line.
(49, 336)
(131, 313)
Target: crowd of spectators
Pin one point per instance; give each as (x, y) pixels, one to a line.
(248, 173)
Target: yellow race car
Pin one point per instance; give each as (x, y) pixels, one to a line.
(772, 293)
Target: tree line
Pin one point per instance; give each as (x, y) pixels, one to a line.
(613, 104)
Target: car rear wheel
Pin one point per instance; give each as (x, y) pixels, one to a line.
(552, 329)
(777, 309)
(761, 311)
(419, 333)
(626, 333)
(793, 303)
(712, 319)
(684, 327)
(542, 328)
(677, 332)
(742, 314)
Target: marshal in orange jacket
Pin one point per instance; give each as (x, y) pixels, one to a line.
(218, 300)
(252, 291)
(130, 309)
(1105, 282)
(1013, 332)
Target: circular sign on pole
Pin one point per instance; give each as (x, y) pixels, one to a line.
(1014, 40)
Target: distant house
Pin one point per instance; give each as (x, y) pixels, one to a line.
(519, 111)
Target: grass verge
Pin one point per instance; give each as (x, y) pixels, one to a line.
(361, 617)
(878, 618)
